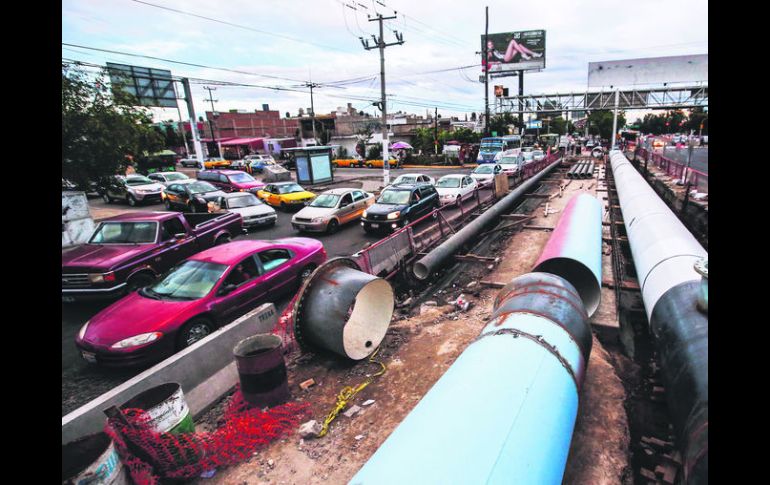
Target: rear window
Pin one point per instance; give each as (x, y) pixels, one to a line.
(125, 233)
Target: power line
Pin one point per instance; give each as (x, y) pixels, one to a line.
(225, 22)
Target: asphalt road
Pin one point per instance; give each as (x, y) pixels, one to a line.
(82, 382)
(699, 161)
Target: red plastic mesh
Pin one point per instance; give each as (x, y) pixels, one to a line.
(151, 456)
(285, 327)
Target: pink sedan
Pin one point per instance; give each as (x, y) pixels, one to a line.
(200, 294)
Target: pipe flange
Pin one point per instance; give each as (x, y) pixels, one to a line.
(329, 265)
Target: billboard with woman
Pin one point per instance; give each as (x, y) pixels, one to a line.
(514, 51)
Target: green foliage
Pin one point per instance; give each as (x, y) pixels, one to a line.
(375, 152)
(501, 124)
(678, 122)
(100, 128)
(342, 152)
(601, 123)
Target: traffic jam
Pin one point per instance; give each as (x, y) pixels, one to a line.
(177, 275)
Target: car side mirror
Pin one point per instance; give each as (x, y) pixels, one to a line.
(180, 235)
(229, 288)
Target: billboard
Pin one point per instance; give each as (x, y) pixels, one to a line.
(151, 87)
(509, 52)
(650, 70)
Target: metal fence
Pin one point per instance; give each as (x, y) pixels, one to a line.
(674, 169)
(383, 258)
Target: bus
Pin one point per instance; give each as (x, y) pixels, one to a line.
(492, 148)
(630, 138)
(549, 140)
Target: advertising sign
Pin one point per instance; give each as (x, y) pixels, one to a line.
(151, 87)
(531, 125)
(650, 70)
(509, 52)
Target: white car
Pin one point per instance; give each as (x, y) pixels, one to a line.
(254, 212)
(485, 173)
(331, 209)
(134, 189)
(165, 178)
(510, 162)
(414, 178)
(189, 162)
(454, 188)
(538, 155)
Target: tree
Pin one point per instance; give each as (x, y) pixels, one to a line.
(501, 123)
(100, 129)
(601, 123)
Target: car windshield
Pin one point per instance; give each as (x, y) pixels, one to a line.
(241, 178)
(528, 155)
(200, 187)
(537, 153)
(188, 281)
(448, 183)
(289, 189)
(491, 145)
(245, 200)
(176, 176)
(326, 201)
(510, 160)
(138, 181)
(484, 169)
(125, 233)
(406, 179)
(394, 197)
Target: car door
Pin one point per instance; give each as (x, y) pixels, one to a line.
(172, 194)
(346, 210)
(361, 203)
(278, 271)
(181, 248)
(248, 289)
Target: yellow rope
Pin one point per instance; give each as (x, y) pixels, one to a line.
(347, 393)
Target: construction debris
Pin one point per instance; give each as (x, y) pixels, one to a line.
(310, 429)
(368, 402)
(354, 409)
(306, 384)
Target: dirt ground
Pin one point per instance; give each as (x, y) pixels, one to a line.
(417, 350)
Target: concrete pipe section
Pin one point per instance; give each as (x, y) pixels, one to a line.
(504, 412)
(574, 250)
(343, 310)
(670, 267)
(438, 256)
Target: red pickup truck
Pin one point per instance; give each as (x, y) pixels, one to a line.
(129, 251)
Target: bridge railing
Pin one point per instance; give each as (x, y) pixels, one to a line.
(674, 169)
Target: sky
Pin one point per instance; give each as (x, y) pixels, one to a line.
(286, 43)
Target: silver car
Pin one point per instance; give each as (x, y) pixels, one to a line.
(134, 189)
(332, 209)
(165, 178)
(255, 213)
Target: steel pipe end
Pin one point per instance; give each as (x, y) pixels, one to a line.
(581, 277)
(420, 271)
(702, 268)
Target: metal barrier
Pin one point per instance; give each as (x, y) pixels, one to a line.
(674, 169)
(385, 257)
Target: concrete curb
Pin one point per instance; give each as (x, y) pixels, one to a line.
(206, 371)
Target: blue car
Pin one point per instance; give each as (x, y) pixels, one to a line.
(257, 163)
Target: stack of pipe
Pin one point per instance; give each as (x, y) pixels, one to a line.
(670, 265)
(582, 169)
(505, 411)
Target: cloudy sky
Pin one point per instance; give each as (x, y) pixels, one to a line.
(285, 43)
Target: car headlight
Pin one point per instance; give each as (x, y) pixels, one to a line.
(101, 277)
(141, 339)
(318, 219)
(82, 332)
(394, 215)
(363, 214)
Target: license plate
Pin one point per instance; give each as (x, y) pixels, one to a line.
(88, 356)
(375, 226)
(68, 299)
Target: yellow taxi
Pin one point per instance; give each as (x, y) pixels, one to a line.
(285, 195)
(216, 163)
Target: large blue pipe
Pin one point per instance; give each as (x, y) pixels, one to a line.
(505, 411)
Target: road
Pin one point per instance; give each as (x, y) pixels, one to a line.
(82, 382)
(699, 161)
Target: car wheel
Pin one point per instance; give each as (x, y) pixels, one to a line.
(459, 201)
(223, 239)
(191, 206)
(106, 198)
(194, 331)
(284, 207)
(139, 281)
(369, 165)
(167, 204)
(131, 200)
(332, 227)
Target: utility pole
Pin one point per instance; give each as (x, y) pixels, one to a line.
(312, 85)
(193, 122)
(521, 93)
(381, 45)
(435, 130)
(486, 74)
(211, 123)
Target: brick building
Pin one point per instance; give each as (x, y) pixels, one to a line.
(246, 124)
